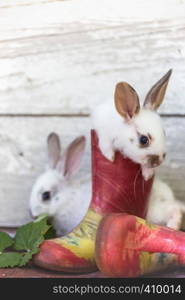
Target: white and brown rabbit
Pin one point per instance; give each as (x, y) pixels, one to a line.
(64, 197)
(137, 132)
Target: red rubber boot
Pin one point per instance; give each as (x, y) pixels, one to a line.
(128, 246)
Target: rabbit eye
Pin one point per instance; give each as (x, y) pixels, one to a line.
(46, 196)
(144, 140)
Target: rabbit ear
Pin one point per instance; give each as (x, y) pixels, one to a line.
(54, 149)
(156, 94)
(126, 100)
(73, 156)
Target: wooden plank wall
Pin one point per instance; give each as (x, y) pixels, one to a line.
(58, 59)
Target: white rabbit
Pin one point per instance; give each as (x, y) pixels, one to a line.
(56, 192)
(139, 135)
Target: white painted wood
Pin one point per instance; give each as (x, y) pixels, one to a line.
(15, 3)
(66, 56)
(14, 197)
(28, 138)
(23, 140)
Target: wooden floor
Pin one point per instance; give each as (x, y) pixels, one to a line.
(34, 272)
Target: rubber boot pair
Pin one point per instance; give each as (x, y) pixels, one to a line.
(114, 236)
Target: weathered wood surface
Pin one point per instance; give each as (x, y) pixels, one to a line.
(34, 272)
(64, 57)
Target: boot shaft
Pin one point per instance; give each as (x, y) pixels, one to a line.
(117, 186)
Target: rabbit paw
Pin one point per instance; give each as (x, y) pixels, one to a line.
(147, 172)
(107, 151)
(176, 219)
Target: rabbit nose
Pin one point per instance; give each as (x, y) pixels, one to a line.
(153, 161)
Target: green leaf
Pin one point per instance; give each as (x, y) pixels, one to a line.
(10, 259)
(26, 257)
(50, 234)
(31, 235)
(5, 241)
(41, 217)
(28, 239)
